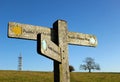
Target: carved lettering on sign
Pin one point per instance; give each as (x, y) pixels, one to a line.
(35, 32)
(77, 37)
(28, 31)
(52, 49)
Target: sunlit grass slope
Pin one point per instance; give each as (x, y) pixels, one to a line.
(32, 76)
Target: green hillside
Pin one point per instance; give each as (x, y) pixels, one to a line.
(32, 76)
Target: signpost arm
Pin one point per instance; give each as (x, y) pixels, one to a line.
(60, 26)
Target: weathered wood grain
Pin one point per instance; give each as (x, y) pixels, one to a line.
(26, 31)
(82, 39)
(47, 48)
(62, 75)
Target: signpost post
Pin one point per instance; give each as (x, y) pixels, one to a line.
(53, 43)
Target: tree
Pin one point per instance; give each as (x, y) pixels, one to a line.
(89, 65)
(71, 68)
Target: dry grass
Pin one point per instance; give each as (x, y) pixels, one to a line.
(32, 76)
(95, 77)
(25, 76)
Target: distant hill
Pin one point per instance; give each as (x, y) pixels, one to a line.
(33, 76)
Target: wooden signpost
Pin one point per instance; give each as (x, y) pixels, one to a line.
(53, 43)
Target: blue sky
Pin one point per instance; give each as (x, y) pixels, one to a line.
(98, 17)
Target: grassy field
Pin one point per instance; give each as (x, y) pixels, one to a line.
(32, 76)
